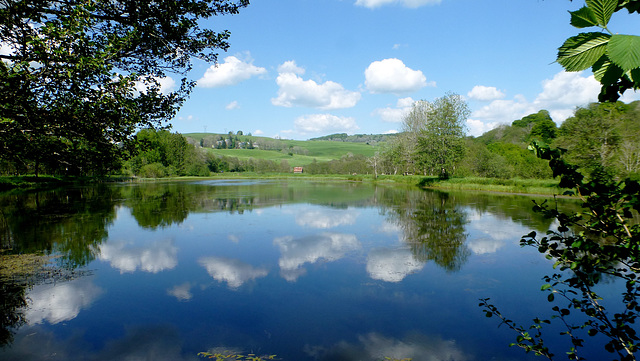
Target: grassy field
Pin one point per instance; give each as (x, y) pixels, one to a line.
(320, 150)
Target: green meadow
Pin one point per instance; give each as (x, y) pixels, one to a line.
(318, 150)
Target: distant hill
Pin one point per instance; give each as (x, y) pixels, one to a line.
(296, 152)
(356, 138)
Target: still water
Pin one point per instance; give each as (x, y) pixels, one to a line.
(302, 270)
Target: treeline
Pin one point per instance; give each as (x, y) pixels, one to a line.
(357, 138)
(601, 138)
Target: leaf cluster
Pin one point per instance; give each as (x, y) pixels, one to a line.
(613, 58)
(600, 243)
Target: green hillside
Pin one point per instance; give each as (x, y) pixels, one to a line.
(296, 152)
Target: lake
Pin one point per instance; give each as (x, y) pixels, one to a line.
(299, 269)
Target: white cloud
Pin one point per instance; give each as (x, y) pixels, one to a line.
(392, 265)
(60, 302)
(295, 91)
(485, 93)
(231, 72)
(397, 114)
(372, 4)
(630, 96)
(257, 132)
(319, 123)
(392, 76)
(391, 131)
(165, 84)
(568, 89)
(290, 66)
(233, 105)
(560, 96)
(155, 257)
(478, 127)
(295, 252)
(232, 271)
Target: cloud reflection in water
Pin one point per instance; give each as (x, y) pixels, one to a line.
(392, 265)
(232, 271)
(326, 218)
(155, 257)
(374, 346)
(297, 251)
(60, 302)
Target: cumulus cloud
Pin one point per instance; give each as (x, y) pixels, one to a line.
(155, 257)
(560, 95)
(233, 105)
(60, 302)
(325, 218)
(295, 252)
(372, 4)
(322, 123)
(232, 271)
(165, 84)
(231, 72)
(397, 114)
(392, 265)
(485, 93)
(290, 66)
(295, 91)
(392, 76)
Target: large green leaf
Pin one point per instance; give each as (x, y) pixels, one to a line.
(583, 18)
(605, 72)
(602, 9)
(582, 51)
(624, 51)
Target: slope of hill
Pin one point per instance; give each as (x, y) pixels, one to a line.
(296, 152)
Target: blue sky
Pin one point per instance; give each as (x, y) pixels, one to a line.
(299, 69)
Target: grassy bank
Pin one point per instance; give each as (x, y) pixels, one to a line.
(523, 186)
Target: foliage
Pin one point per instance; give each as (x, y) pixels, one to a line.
(613, 58)
(432, 140)
(600, 244)
(81, 76)
(162, 153)
(231, 355)
(603, 137)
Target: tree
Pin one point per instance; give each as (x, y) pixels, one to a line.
(441, 140)
(613, 58)
(82, 76)
(601, 243)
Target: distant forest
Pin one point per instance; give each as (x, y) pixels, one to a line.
(357, 138)
(598, 138)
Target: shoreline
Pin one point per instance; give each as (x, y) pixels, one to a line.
(545, 187)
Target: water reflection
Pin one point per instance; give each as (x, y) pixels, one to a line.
(295, 252)
(392, 265)
(327, 241)
(58, 302)
(154, 257)
(232, 271)
(181, 292)
(326, 218)
(72, 222)
(433, 226)
(374, 346)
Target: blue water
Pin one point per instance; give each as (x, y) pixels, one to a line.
(307, 272)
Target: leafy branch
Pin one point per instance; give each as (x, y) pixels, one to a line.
(613, 58)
